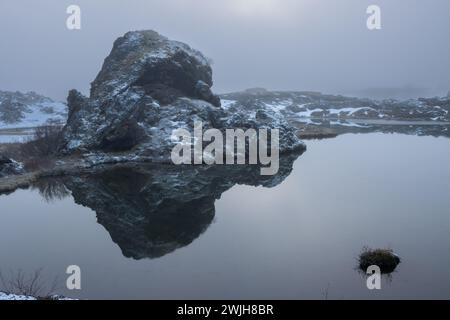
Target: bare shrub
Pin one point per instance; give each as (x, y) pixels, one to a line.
(52, 189)
(39, 151)
(45, 140)
(33, 285)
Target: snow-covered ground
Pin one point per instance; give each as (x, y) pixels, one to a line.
(311, 106)
(21, 112)
(5, 296)
(8, 296)
(227, 103)
(39, 114)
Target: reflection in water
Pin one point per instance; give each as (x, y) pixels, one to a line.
(51, 189)
(152, 210)
(299, 240)
(332, 128)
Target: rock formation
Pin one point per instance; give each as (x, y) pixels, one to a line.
(148, 87)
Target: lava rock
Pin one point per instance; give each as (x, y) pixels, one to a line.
(148, 87)
(147, 59)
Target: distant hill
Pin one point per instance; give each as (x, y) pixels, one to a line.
(28, 110)
(309, 105)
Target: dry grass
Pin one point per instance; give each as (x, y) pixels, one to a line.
(385, 259)
(37, 153)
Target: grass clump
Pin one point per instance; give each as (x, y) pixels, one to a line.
(385, 259)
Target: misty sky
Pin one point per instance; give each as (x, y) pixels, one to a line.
(319, 45)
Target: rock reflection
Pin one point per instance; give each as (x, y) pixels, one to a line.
(152, 210)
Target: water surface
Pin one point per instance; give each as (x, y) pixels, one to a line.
(293, 237)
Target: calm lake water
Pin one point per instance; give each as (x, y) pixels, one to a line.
(299, 239)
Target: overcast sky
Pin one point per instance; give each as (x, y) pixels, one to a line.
(319, 45)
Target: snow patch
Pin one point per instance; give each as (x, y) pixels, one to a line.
(227, 103)
(348, 111)
(6, 296)
(347, 124)
(308, 112)
(39, 114)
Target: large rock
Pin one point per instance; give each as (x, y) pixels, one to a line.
(148, 87)
(165, 69)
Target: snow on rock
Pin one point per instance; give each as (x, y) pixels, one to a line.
(163, 67)
(148, 87)
(227, 103)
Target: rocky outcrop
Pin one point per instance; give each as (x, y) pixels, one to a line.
(165, 69)
(148, 87)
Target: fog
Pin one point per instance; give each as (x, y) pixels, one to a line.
(321, 45)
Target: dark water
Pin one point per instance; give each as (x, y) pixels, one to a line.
(161, 233)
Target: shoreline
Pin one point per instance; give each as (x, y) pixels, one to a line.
(75, 165)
